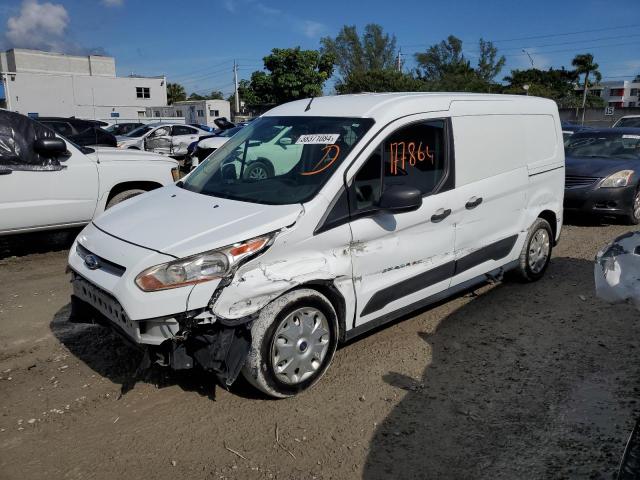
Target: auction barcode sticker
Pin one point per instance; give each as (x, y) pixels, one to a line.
(318, 139)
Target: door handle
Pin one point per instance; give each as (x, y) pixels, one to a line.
(473, 203)
(440, 215)
(5, 171)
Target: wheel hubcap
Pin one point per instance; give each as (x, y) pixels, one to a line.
(300, 345)
(636, 205)
(539, 249)
(258, 173)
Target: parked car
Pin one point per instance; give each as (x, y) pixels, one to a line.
(206, 128)
(603, 173)
(209, 144)
(617, 269)
(119, 129)
(81, 132)
(165, 138)
(632, 121)
(48, 182)
(569, 129)
(382, 213)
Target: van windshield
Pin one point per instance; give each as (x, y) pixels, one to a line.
(278, 160)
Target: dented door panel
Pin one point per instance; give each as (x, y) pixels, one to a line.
(400, 259)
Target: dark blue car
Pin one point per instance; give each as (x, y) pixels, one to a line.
(603, 173)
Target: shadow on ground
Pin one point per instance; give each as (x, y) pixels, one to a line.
(526, 381)
(109, 355)
(39, 242)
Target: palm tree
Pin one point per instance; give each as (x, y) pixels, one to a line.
(175, 93)
(584, 63)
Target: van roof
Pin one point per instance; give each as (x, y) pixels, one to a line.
(380, 105)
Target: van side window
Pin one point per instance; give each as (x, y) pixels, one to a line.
(415, 156)
(368, 182)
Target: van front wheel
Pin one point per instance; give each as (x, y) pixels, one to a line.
(293, 342)
(536, 252)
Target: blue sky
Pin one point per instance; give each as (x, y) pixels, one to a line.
(195, 42)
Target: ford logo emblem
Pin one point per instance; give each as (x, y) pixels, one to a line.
(91, 261)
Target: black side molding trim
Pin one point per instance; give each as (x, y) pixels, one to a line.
(546, 171)
(383, 297)
(425, 302)
(494, 251)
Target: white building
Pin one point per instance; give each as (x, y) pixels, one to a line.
(53, 84)
(203, 112)
(618, 94)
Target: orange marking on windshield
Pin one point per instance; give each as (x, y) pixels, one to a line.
(331, 160)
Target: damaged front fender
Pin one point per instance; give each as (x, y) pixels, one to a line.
(289, 263)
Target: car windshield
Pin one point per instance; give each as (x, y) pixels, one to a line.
(600, 144)
(629, 122)
(138, 132)
(229, 133)
(278, 160)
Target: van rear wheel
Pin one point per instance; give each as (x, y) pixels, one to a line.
(293, 342)
(536, 251)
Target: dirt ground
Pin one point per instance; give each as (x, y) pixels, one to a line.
(515, 381)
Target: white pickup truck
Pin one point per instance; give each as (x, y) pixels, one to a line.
(47, 182)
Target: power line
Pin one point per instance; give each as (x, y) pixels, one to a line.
(567, 33)
(535, 37)
(192, 72)
(572, 42)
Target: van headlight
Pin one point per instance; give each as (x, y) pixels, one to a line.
(201, 267)
(618, 179)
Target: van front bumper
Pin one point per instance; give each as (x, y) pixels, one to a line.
(180, 332)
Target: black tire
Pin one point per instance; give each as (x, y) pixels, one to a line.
(632, 218)
(258, 170)
(524, 271)
(122, 196)
(259, 369)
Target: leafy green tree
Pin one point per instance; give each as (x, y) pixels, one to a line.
(215, 95)
(375, 50)
(196, 96)
(489, 64)
(175, 93)
(443, 59)
(380, 81)
(585, 65)
(443, 66)
(291, 74)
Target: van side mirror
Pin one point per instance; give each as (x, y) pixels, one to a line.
(400, 198)
(50, 147)
(284, 141)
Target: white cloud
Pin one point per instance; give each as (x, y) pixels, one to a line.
(275, 17)
(38, 26)
(312, 29)
(112, 3)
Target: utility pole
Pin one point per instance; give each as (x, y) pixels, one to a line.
(399, 60)
(235, 81)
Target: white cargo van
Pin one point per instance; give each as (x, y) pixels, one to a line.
(395, 201)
